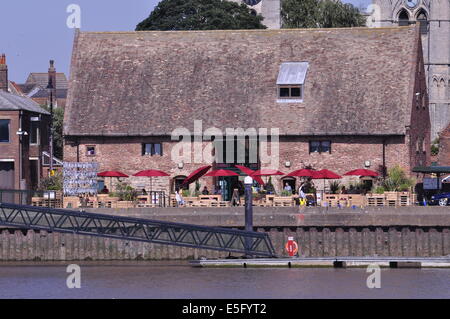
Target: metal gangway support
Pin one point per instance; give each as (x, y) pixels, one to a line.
(137, 229)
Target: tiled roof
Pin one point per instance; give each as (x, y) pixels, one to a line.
(359, 81)
(14, 102)
(41, 79)
(26, 88)
(43, 93)
(14, 88)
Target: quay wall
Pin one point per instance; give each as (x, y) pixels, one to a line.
(405, 231)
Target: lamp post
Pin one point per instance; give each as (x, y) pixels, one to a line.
(50, 139)
(248, 182)
(50, 88)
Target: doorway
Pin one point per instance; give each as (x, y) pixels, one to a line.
(227, 184)
(291, 181)
(34, 174)
(7, 181)
(6, 175)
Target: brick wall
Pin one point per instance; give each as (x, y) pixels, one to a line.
(10, 151)
(347, 153)
(444, 148)
(125, 155)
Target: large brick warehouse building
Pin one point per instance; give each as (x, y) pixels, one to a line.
(341, 98)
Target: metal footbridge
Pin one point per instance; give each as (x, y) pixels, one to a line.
(137, 229)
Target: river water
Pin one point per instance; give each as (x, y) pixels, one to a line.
(179, 280)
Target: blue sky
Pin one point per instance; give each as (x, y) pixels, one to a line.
(33, 32)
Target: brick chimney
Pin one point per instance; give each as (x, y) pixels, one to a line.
(3, 73)
(52, 79)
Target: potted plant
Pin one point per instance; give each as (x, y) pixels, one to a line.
(334, 187)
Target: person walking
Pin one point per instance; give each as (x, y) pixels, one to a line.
(301, 194)
(179, 198)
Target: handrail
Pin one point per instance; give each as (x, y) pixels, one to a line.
(136, 229)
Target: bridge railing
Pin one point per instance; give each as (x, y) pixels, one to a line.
(137, 229)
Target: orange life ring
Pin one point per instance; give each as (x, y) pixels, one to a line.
(295, 251)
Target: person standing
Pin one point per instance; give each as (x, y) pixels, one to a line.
(288, 188)
(235, 198)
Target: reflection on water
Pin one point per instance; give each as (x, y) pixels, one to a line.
(179, 280)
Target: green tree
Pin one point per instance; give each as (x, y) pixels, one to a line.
(320, 14)
(51, 183)
(58, 118)
(201, 15)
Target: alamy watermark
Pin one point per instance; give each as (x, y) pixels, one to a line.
(74, 19)
(374, 279)
(374, 18)
(74, 279)
(234, 145)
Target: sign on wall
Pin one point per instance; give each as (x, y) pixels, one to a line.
(80, 178)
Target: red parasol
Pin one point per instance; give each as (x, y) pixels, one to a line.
(249, 172)
(266, 172)
(111, 174)
(151, 173)
(301, 173)
(222, 172)
(199, 172)
(325, 174)
(362, 172)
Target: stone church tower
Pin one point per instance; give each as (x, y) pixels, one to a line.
(434, 19)
(269, 9)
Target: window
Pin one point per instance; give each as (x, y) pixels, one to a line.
(290, 92)
(34, 132)
(422, 20)
(90, 150)
(290, 81)
(403, 18)
(152, 149)
(320, 147)
(4, 131)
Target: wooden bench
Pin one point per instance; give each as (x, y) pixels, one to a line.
(210, 197)
(375, 200)
(405, 199)
(283, 201)
(391, 199)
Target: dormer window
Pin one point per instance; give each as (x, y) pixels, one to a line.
(290, 82)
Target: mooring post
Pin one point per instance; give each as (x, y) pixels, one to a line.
(248, 182)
